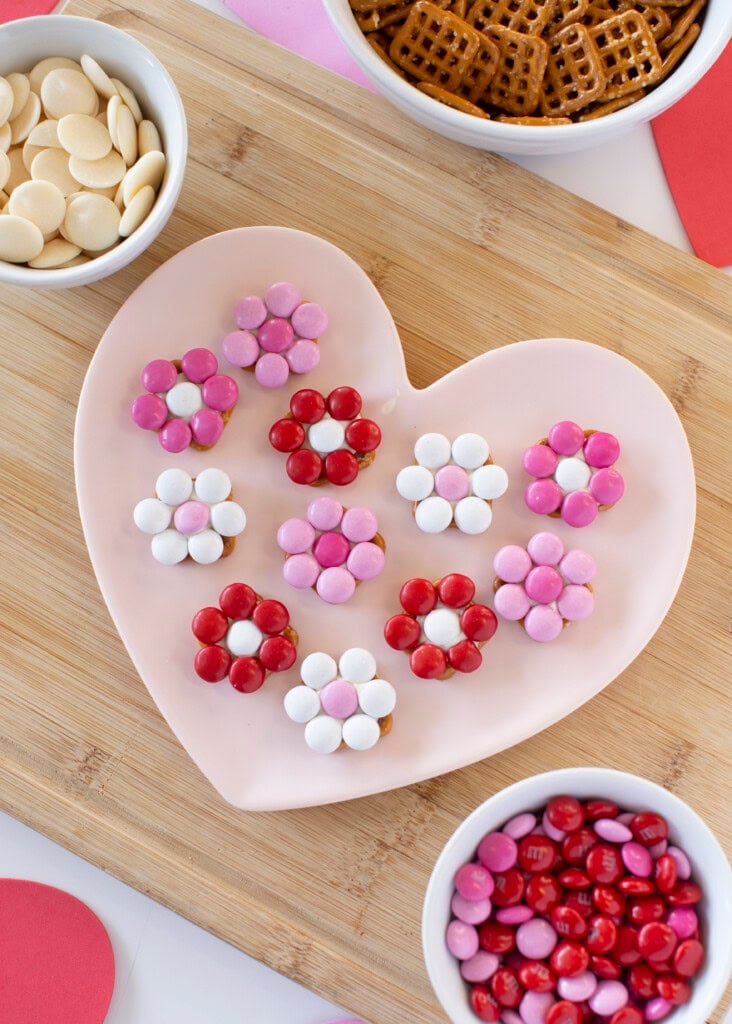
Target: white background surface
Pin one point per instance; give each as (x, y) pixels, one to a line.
(168, 970)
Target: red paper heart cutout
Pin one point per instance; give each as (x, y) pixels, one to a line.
(56, 960)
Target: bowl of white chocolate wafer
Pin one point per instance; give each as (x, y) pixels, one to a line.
(93, 145)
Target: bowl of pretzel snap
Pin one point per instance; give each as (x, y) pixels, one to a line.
(532, 76)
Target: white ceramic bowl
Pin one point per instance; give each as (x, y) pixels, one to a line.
(533, 140)
(686, 828)
(23, 43)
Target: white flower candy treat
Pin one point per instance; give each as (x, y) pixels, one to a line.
(344, 704)
(452, 484)
(191, 517)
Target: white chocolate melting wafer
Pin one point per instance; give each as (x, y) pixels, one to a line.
(141, 204)
(53, 165)
(126, 132)
(65, 91)
(20, 240)
(91, 222)
(25, 122)
(7, 98)
(148, 170)
(45, 66)
(148, 138)
(39, 202)
(84, 137)
(54, 253)
(98, 77)
(21, 91)
(104, 173)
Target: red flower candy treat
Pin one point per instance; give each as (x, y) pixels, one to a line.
(548, 922)
(441, 628)
(327, 439)
(246, 638)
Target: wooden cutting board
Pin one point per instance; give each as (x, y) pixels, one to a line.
(469, 252)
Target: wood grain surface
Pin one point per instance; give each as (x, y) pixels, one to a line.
(470, 252)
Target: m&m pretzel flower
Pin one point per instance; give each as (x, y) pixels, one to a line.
(452, 484)
(191, 517)
(341, 705)
(332, 550)
(277, 335)
(186, 401)
(327, 439)
(246, 638)
(441, 628)
(542, 587)
(575, 474)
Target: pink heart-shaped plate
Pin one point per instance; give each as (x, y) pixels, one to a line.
(245, 744)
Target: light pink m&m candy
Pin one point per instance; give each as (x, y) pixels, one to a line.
(250, 313)
(301, 571)
(511, 602)
(545, 548)
(303, 357)
(339, 698)
(575, 603)
(534, 1007)
(470, 911)
(359, 524)
(282, 298)
(519, 826)
(271, 370)
(295, 536)
(480, 967)
(543, 623)
(366, 561)
(512, 564)
(240, 348)
(191, 517)
(309, 320)
(536, 939)
(452, 483)
(462, 940)
(325, 513)
(578, 567)
(335, 585)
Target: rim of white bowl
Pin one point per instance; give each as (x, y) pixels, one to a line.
(708, 46)
(536, 790)
(128, 250)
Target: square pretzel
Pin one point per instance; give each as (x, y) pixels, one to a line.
(388, 12)
(516, 85)
(434, 46)
(629, 55)
(528, 16)
(481, 72)
(568, 12)
(574, 73)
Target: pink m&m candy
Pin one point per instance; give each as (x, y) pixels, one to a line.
(159, 375)
(325, 513)
(470, 911)
(191, 517)
(331, 549)
(497, 851)
(303, 357)
(335, 585)
(366, 561)
(462, 940)
(199, 364)
(250, 313)
(452, 482)
(271, 370)
(359, 524)
(474, 882)
(149, 412)
(301, 571)
(276, 335)
(295, 536)
(240, 348)
(339, 698)
(309, 320)
(207, 426)
(543, 584)
(282, 298)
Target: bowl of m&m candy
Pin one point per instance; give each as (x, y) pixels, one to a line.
(580, 896)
